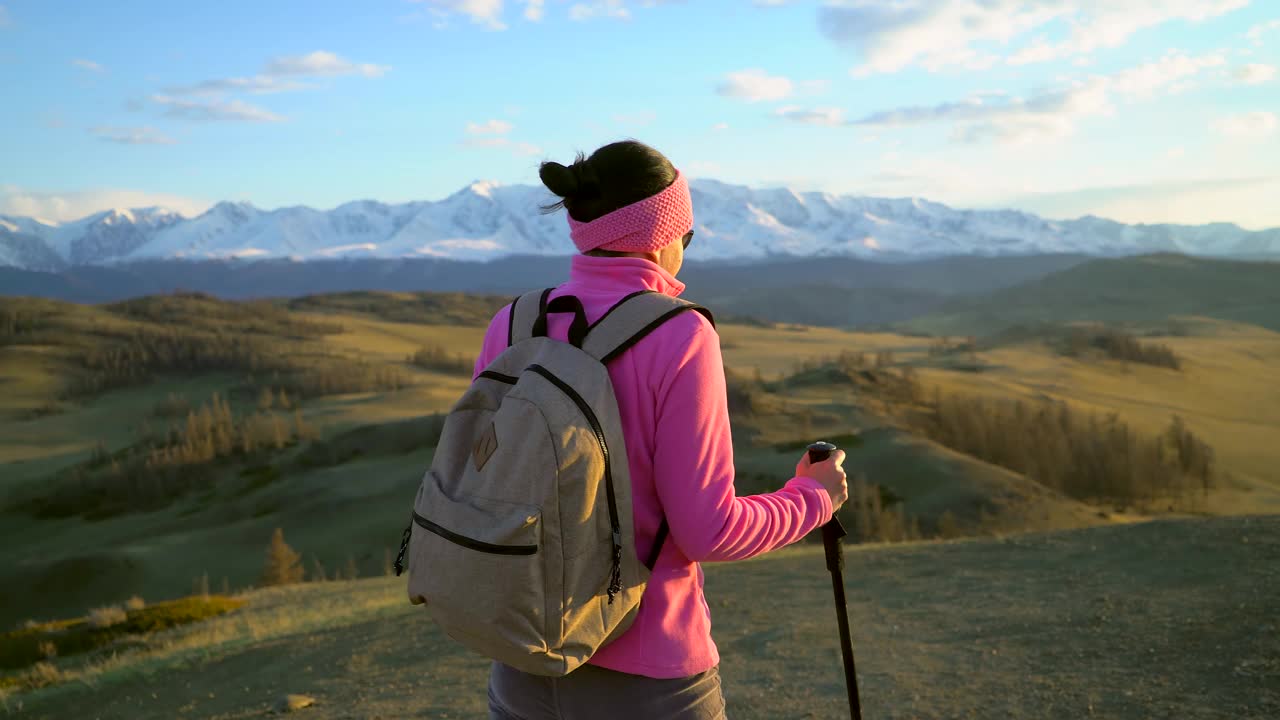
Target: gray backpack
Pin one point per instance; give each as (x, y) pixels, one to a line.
(521, 542)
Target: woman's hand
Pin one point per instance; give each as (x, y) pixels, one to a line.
(828, 472)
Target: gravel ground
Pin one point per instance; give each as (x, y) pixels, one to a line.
(1162, 619)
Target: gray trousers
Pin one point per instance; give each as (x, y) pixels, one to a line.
(595, 693)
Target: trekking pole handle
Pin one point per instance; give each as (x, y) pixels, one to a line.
(832, 530)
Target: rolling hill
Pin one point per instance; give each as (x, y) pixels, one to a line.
(1139, 290)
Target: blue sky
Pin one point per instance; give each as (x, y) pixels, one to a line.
(1141, 110)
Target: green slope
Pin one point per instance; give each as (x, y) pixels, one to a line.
(1147, 289)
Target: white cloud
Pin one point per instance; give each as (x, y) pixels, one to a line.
(1248, 126)
(132, 135)
(720, 126)
(67, 206)
(1176, 153)
(493, 134)
(482, 12)
(489, 13)
(1150, 78)
(1246, 201)
(1256, 32)
(256, 85)
(1051, 114)
(828, 117)
(89, 65)
(322, 64)
(946, 34)
(214, 110)
(1015, 130)
(755, 85)
(491, 127)
(281, 75)
(1254, 74)
(600, 8)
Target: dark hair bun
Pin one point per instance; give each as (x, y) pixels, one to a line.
(615, 176)
(559, 179)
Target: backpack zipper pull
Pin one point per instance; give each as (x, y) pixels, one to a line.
(615, 577)
(404, 545)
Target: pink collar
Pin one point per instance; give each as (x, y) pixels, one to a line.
(623, 273)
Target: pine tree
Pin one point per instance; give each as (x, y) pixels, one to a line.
(280, 436)
(317, 571)
(283, 566)
(302, 429)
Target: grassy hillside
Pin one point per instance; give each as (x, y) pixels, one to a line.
(1092, 623)
(220, 527)
(1228, 389)
(1142, 290)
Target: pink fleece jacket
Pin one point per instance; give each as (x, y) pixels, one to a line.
(675, 419)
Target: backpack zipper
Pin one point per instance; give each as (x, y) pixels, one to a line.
(467, 542)
(490, 374)
(615, 576)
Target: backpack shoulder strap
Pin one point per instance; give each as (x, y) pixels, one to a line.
(524, 313)
(622, 326)
(631, 319)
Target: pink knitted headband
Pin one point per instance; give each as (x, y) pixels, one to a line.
(644, 226)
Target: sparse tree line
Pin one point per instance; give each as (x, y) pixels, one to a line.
(942, 346)
(188, 309)
(1092, 458)
(1117, 345)
(18, 323)
(847, 361)
(432, 357)
(873, 514)
(143, 354)
(284, 566)
(165, 466)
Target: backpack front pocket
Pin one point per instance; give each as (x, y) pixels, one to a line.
(477, 545)
(478, 564)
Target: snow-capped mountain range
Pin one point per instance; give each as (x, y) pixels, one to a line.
(484, 221)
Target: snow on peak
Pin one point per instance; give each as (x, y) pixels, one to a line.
(485, 220)
(483, 188)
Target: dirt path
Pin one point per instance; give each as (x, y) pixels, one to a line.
(1166, 619)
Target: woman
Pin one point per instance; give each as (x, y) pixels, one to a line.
(670, 389)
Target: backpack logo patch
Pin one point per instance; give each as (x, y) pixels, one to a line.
(485, 447)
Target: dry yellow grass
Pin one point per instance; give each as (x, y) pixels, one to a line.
(1088, 623)
(1228, 390)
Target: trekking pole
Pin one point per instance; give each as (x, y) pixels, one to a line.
(832, 531)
